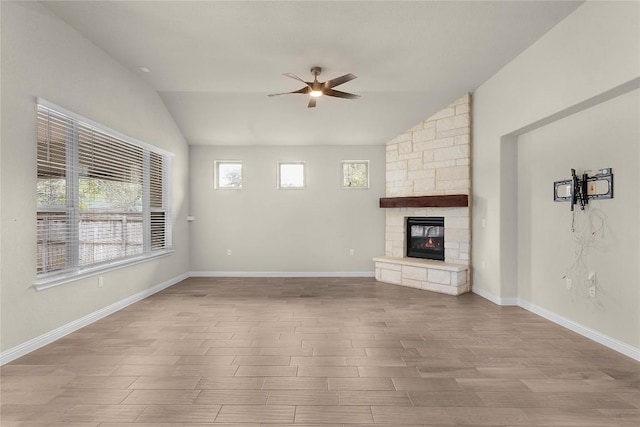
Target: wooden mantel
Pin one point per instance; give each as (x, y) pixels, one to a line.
(450, 201)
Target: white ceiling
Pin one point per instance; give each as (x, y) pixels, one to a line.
(214, 62)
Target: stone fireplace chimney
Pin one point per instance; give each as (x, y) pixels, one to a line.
(432, 158)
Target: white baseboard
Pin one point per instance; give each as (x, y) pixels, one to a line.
(282, 274)
(494, 299)
(49, 337)
(596, 336)
(586, 332)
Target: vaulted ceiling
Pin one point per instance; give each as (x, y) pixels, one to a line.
(214, 62)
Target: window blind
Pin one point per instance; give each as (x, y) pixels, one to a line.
(102, 197)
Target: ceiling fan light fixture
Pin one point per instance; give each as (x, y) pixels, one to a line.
(317, 89)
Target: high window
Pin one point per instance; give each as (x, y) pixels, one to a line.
(355, 174)
(228, 174)
(103, 198)
(291, 175)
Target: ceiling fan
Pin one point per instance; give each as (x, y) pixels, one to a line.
(316, 89)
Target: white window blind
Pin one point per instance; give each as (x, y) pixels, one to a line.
(102, 197)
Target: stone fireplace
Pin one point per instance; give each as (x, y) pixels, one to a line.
(427, 175)
(457, 245)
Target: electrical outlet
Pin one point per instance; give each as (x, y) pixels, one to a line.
(228, 251)
(351, 252)
(592, 292)
(100, 281)
(591, 280)
(568, 282)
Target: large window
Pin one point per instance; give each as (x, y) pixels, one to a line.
(103, 198)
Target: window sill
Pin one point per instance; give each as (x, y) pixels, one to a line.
(71, 276)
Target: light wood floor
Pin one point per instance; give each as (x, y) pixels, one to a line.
(325, 352)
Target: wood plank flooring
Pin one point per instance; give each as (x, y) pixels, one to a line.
(319, 352)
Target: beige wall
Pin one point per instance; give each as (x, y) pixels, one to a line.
(591, 56)
(592, 51)
(605, 135)
(43, 57)
(291, 231)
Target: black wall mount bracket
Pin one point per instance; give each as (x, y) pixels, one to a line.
(580, 189)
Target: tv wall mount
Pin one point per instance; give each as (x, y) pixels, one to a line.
(580, 189)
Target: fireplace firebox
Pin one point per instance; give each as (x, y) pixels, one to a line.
(425, 237)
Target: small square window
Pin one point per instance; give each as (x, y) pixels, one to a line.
(291, 175)
(355, 174)
(228, 174)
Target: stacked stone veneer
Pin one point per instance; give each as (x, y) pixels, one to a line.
(433, 158)
(437, 276)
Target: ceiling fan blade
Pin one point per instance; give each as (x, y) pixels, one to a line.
(339, 94)
(293, 76)
(338, 80)
(303, 90)
(312, 102)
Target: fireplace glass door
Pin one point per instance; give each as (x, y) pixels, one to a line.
(425, 237)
